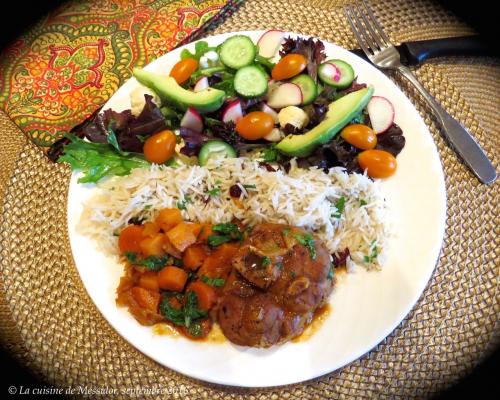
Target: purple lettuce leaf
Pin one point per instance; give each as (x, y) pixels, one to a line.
(312, 49)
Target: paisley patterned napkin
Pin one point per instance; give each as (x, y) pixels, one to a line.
(67, 66)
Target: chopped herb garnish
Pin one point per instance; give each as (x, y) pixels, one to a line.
(153, 263)
(217, 240)
(148, 206)
(373, 253)
(225, 233)
(217, 282)
(187, 315)
(362, 203)
(279, 265)
(293, 274)
(266, 261)
(270, 154)
(181, 205)
(195, 329)
(307, 240)
(286, 231)
(214, 191)
(249, 186)
(339, 207)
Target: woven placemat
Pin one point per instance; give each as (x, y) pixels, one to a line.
(51, 325)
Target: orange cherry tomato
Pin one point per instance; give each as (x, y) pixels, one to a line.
(130, 238)
(183, 70)
(160, 147)
(255, 125)
(290, 65)
(360, 136)
(377, 163)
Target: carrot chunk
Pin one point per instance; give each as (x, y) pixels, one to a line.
(130, 238)
(206, 231)
(168, 218)
(182, 235)
(150, 229)
(170, 248)
(145, 298)
(205, 293)
(218, 264)
(172, 278)
(194, 256)
(152, 246)
(149, 280)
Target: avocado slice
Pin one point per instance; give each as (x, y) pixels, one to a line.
(340, 113)
(171, 92)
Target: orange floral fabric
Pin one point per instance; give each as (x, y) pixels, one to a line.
(69, 64)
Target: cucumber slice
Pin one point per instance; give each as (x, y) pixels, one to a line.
(238, 51)
(213, 149)
(250, 81)
(336, 73)
(308, 88)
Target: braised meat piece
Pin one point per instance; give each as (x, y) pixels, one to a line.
(280, 277)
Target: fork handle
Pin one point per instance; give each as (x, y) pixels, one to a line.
(461, 140)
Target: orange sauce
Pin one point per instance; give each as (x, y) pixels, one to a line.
(165, 329)
(320, 315)
(216, 335)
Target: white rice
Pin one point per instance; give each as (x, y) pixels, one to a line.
(301, 197)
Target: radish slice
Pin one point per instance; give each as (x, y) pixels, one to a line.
(270, 111)
(202, 84)
(381, 112)
(331, 71)
(270, 42)
(287, 94)
(232, 112)
(192, 120)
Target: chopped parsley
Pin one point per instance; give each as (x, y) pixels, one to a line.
(279, 265)
(373, 253)
(217, 282)
(152, 263)
(286, 231)
(266, 261)
(214, 191)
(307, 241)
(188, 316)
(293, 274)
(181, 205)
(225, 233)
(249, 186)
(270, 154)
(362, 203)
(339, 207)
(148, 206)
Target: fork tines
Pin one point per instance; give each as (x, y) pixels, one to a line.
(369, 34)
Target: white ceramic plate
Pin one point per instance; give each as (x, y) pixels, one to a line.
(366, 306)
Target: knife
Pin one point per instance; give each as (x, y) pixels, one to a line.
(415, 53)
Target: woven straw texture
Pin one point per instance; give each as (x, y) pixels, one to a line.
(51, 325)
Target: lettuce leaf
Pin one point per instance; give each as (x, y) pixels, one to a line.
(98, 160)
(312, 49)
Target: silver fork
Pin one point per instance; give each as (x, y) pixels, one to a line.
(382, 53)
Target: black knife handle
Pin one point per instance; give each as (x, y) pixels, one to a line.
(414, 53)
(417, 52)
